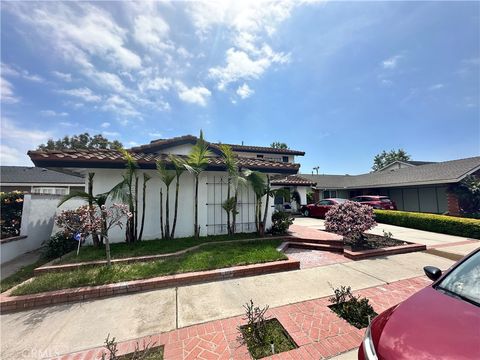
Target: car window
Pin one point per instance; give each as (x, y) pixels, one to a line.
(464, 280)
(385, 200)
(324, 202)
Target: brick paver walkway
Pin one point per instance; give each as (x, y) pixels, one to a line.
(317, 331)
(314, 258)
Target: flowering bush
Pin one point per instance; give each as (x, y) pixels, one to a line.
(11, 211)
(350, 219)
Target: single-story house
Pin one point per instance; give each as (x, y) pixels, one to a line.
(414, 186)
(109, 166)
(37, 180)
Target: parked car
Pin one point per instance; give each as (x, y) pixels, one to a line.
(376, 201)
(320, 208)
(441, 321)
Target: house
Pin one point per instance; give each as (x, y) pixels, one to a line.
(37, 180)
(398, 164)
(414, 186)
(109, 166)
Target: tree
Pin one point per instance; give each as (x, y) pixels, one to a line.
(167, 177)
(230, 204)
(178, 164)
(125, 191)
(146, 177)
(278, 145)
(81, 141)
(385, 158)
(468, 193)
(197, 161)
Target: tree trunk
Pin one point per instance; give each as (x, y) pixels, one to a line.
(136, 209)
(267, 200)
(177, 186)
(107, 249)
(131, 221)
(197, 230)
(161, 213)
(167, 214)
(143, 208)
(229, 227)
(234, 212)
(95, 238)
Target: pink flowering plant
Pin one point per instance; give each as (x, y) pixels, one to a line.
(83, 222)
(350, 219)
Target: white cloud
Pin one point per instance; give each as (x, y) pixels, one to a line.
(83, 93)
(241, 67)
(244, 91)
(386, 82)
(392, 62)
(155, 134)
(151, 32)
(436, 87)
(67, 124)
(105, 125)
(121, 107)
(108, 80)
(7, 93)
(158, 83)
(195, 95)
(53, 113)
(63, 76)
(15, 71)
(111, 133)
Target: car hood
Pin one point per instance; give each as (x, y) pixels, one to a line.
(431, 325)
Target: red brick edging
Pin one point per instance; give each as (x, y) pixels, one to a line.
(364, 254)
(24, 302)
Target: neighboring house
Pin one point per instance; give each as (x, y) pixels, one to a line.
(108, 167)
(37, 180)
(398, 164)
(416, 187)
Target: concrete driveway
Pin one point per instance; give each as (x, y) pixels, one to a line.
(55, 330)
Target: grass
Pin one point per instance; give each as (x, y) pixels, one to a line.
(154, 353)
(212, 256)
(274, 333)
(20, 276)
(143, 248)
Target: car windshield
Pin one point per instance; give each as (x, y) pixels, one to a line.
(385, 200)
(340, 201)
(464, 280)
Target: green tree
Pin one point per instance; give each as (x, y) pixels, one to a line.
(146, 177)
(197, 162)
(167, 177)
(385, 158)
(81, 141)
(179, 167)
(468, 193)
(278, 145)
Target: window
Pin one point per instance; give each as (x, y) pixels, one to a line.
(285, 158)
(333, 193)
(50, 191)
(259, 156)
(324, 202)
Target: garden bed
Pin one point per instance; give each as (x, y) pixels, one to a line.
(211, 256)
(373, 241)
(153, 353)
(275, 334)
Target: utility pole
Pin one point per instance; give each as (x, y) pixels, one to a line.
(316, 168)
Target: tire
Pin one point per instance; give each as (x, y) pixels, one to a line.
(306, 213)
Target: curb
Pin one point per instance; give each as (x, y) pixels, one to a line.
(365, 254)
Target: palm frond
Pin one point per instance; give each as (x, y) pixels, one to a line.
(120, 191)
(166, 176)
(74, 195)
(178, 164)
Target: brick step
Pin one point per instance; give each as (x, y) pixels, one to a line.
(317, 241)
(313, 246)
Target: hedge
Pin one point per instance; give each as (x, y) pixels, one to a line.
(444, 224)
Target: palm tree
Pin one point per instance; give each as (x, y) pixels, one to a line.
(95, 238)
(257, 181)
(167, 177)
(146, 177)
(178, 164)
(197, 161)
(231, 163)
(124, 191)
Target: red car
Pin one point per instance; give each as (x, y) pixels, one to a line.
(441, 321)
(376, 201)
(320, 208)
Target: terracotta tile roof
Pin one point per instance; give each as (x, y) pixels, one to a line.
(161, 143)
(113, 159)
(292, 180)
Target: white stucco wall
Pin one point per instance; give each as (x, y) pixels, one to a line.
(105, 179)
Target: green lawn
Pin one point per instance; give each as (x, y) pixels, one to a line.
(211, 256)
(147, 247)
(20, 276)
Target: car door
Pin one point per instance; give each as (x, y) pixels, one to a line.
(323, 207)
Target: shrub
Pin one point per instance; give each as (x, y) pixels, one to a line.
(59, 244)
(11, 211)
(431, 222)
(468, 193)
(281, 221)
(357, 311)
(350, 219)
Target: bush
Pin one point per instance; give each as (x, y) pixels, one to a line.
(281, 221)
(59, 244)
(350, 219)
(357, 311)
(431, 222)
(11, 210)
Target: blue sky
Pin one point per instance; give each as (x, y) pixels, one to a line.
(340, 81)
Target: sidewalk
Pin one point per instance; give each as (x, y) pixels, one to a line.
(318, 332)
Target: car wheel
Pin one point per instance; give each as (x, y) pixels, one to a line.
(306, 213)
